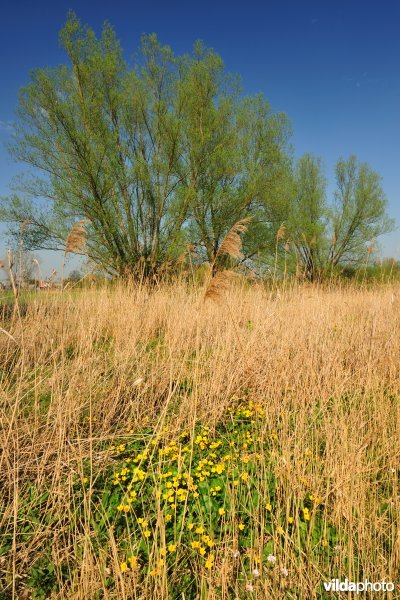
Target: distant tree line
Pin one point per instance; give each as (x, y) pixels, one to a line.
(161, 158)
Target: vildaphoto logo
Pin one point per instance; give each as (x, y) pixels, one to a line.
(336, 585)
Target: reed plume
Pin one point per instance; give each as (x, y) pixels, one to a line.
(280, 234)
(76, 239)
(231, 246)
(24, 225)
(232, 242)
(218, 285)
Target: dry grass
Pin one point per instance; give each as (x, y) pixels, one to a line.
(77, 371)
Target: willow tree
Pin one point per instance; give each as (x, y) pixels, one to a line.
(107, 140)
(358, 214)
(326, 236)
(154, 155)
(308, 216)
(236, 151)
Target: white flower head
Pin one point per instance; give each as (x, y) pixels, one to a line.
(236, 554)
(249, 587)
(256, 573)
(284, 572)
(271, 558)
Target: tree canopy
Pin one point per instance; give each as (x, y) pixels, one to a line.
(328, 235)
(167, 153)
(155, 156)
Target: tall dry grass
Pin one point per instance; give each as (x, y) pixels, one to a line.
(76, 371)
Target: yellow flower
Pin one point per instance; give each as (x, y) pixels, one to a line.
(163, 552)
(190, 526)
(241, 526)
(221, 511)
(244, 476)
(133, 562)
(123, 567)
(209, 561)
(147, 533)
(195, 545)
(171, 547)
(290, 520)
(280, 530)
(268, 507)
(199, 530)
(324, 543)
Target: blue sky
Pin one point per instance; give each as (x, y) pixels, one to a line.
(332, 66)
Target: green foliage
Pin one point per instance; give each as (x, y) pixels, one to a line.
(326, 238)
(167, 154)
(177, 500)
(154, 156)
(358, 215)
(307, 222)
(177, 503)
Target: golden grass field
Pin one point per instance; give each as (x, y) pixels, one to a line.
(156, 445)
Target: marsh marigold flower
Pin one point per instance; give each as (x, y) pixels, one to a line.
(133, 562)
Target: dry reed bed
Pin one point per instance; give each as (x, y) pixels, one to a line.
(324, 363)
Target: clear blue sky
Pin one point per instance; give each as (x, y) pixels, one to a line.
(332, 65)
